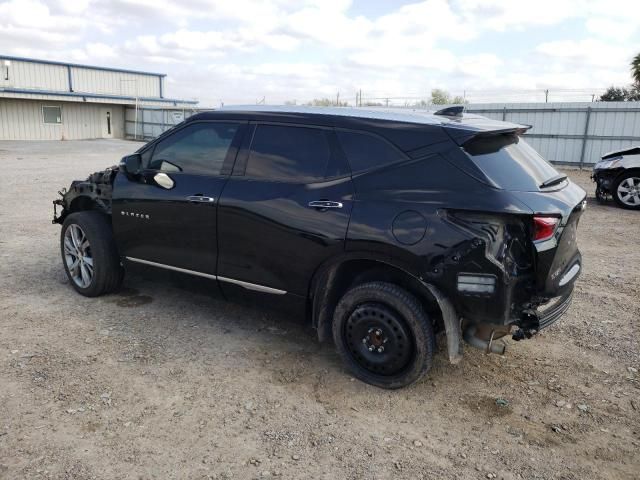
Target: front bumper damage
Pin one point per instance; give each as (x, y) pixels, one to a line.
(604, 179)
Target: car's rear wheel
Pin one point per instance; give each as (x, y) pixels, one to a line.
(626, 190)
(89, 254)
(383, 335)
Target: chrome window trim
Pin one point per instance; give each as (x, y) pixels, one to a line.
(247, 285)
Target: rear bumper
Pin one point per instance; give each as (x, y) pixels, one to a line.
(550, 315)
(534, 320)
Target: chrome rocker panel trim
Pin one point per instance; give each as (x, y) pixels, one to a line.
(247, 285)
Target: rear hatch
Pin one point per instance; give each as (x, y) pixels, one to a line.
(506, 161)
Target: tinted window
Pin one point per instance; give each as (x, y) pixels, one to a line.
(197, 149)
(367, 151)
(510, 162)
(295, 154)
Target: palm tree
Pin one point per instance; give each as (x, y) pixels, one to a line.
(635, 69)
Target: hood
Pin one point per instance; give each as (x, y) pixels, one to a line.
(626, 151)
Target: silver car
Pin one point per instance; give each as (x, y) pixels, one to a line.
(618, 175)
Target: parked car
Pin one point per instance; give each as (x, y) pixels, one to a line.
(384, 227)
(618, 175)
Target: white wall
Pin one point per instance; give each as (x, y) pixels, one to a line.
(22, 120)
(37, 76)
(43, 76)
(87, 80)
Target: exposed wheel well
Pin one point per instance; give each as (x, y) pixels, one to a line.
(332, 283)
(82, 203)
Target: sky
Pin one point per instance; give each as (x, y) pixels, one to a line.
(248, 51)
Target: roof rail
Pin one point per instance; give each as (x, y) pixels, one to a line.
(451, 111)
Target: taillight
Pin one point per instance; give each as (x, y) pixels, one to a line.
(544, 227)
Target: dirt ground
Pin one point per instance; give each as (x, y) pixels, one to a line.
(158, 382)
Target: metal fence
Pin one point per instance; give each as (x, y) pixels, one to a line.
(146, 123)
(575, 134)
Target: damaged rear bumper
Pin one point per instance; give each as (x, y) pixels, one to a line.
(485, 336)
(535, 320)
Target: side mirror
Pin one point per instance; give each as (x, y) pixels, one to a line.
(131, 164)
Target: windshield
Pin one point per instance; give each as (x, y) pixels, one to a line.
(510, 163)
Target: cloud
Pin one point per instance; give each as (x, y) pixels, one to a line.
(243, 49)
(35, 15)
(586, 53)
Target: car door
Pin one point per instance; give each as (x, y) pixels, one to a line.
(285, 209)
(166, 216)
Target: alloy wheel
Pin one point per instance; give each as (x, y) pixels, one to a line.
(77, 255)
(629, 191)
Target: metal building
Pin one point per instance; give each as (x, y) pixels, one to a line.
(45, 100)
(574, 134)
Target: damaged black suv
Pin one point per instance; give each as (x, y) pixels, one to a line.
(383, 227)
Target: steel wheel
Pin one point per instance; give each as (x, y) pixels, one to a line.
(378, 339)
(629, 191)
(77, 255)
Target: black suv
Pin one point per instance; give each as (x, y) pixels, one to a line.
(386, 227)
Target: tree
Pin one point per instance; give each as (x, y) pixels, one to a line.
(621, 94)
(614, 94)
(442, 97)
(439, 96)
(325, 102)
(626, 94)
(635, 69)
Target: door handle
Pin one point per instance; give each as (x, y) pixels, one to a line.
(201, 199)
(323, 204)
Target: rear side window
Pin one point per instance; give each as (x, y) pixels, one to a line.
(510, 162)
(367, 151)
(198, 149)
(293, 154)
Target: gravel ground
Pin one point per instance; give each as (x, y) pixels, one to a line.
(162, 382)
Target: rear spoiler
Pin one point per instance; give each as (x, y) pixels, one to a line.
(619, 153)
(462, 136)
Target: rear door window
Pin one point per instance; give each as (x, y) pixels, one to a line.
(288, 154)
(366, 151)
(198, 149)
(510, 162)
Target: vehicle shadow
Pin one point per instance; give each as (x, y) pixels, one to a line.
(191, 314)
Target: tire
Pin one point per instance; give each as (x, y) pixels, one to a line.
(626, 190)
(94, 268)
(382, 315)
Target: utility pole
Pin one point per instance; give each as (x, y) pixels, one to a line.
(338, 99)
(386, 101)
(546, 96)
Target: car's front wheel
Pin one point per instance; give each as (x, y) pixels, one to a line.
(89, 253)
(383, 335)
(626, 190)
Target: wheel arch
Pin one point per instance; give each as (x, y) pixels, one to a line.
(634, 169)
(332, 280)
(81, 203)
